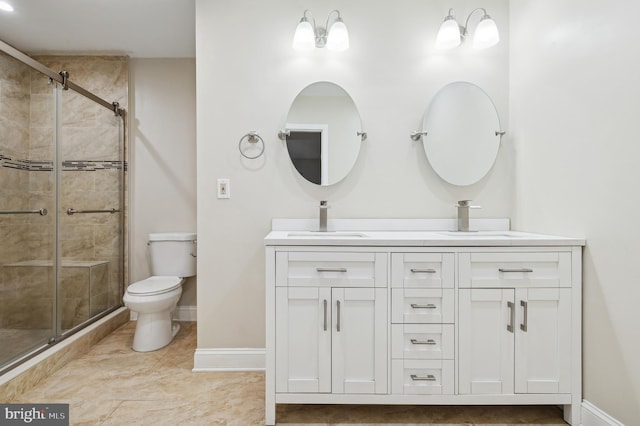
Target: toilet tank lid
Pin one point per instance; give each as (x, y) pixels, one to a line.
(172, 236)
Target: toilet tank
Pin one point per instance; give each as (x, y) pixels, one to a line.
(173, 254)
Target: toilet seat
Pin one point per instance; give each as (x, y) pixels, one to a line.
(154, 285)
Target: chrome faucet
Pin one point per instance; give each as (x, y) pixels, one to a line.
(463, 215)
(323, 216)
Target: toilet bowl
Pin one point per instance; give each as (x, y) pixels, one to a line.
(156, 297)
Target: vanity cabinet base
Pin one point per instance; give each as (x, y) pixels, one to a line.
(424, 326)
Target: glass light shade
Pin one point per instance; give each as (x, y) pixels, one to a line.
(304, 38)
(338, 38)
(486, 34)
(448, 34)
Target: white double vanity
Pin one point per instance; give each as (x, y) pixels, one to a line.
(410, 312)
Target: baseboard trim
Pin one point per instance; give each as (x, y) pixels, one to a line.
(182, 313)
(593, 416)
(229, 359)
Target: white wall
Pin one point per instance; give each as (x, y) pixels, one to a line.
(247, 77)
(162, 157)
(575, 117)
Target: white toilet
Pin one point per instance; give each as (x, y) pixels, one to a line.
(173, 257)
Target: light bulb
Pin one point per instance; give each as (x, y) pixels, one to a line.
(304, 38)
(338, 38)
(448, 34)
(486, 34)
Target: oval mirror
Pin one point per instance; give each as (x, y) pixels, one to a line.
(323, 139)
(463, 133)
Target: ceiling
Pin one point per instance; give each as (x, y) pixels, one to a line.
(137, 28)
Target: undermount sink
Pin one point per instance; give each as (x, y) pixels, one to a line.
(327, 234)
(485, 234)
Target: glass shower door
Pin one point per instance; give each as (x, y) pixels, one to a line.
(90, 159)
(27, 210)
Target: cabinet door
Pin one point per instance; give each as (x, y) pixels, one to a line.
(486, 325)
(359, 346)
(303, 339)
(543, 340)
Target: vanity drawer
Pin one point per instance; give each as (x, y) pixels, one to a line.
(336, 269)
(422, 341)
(531, 269)
(422, 377)
(422, 270)
(422, 306)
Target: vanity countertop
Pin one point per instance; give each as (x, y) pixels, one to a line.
(408, 233)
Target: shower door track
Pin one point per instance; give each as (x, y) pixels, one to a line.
(61, 77)
(54, 341)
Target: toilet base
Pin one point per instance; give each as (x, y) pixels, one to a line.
(154, 331)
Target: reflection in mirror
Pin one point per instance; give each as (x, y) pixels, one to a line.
(463, 133)
(323, 138)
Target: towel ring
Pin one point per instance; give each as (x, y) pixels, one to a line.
(252, 138)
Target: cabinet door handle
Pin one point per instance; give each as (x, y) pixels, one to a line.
(424, 271)
(423, 342)
(331, 269)
(325, 314)
(512, 314)
(338, 316)
(523, 326)
(428, 306)
(428, 378)
(515, 270)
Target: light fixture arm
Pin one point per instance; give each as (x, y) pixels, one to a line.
(326, 25)
(463, 30)
(304, 15)
(322, 33)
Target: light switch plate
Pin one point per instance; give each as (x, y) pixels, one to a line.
(224, 188)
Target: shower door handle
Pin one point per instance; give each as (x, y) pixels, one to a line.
(41, 212)
(74, 211)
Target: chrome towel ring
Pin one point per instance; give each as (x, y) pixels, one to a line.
(251, 138)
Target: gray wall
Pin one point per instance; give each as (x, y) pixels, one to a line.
(575, 109)
(162, 158)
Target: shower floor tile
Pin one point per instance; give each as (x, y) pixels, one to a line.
(113, 385)
(14, 342)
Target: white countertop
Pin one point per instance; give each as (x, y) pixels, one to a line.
(407, 233)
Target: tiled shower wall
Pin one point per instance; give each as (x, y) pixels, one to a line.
(89, 179)
(26, 296)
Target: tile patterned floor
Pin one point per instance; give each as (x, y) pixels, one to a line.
(112, 385)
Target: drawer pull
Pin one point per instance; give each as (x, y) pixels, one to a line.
(512, 313)
(331, 269)
(423, 271)
(524, 326)
(428, 306)
(515, 270)
(427, 378)
(325, 314)
(423, 342)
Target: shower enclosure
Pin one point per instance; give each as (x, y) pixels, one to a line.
(61, 207)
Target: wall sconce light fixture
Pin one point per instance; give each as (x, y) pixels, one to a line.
(308, 36)
(451, 34)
